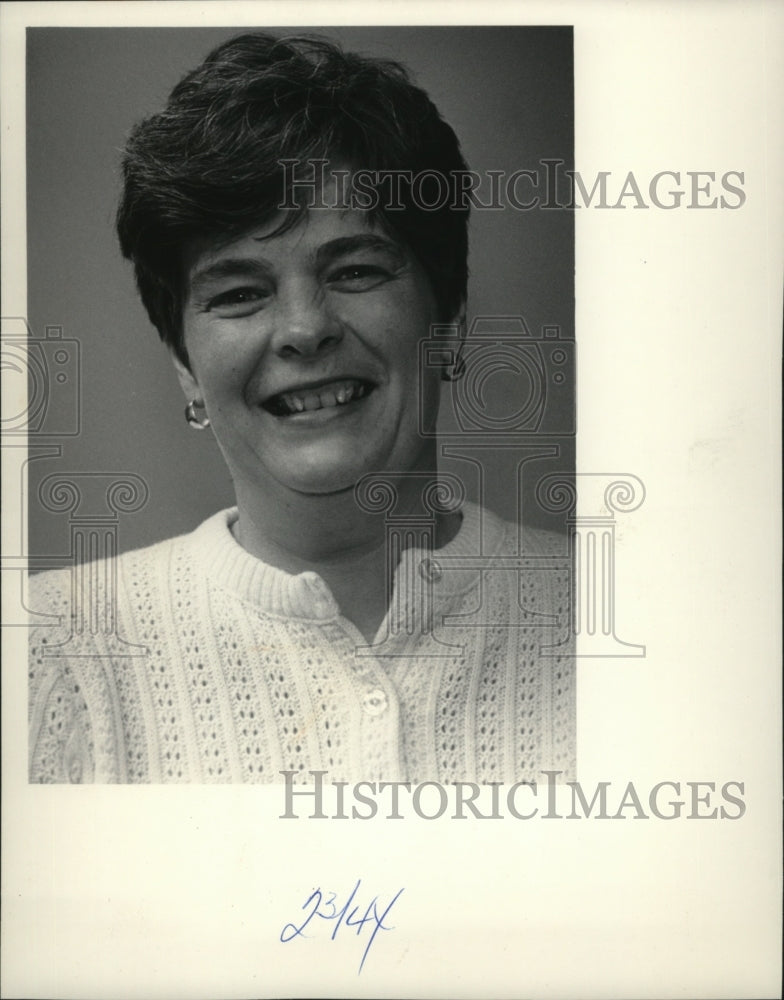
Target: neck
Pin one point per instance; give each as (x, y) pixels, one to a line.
(340, 539)
(298, 531)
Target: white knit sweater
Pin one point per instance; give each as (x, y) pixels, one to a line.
(242, 671)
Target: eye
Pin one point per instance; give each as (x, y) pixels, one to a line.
(238, 301)
(358, 277)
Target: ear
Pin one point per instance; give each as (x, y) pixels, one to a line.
(186, 378)
(451, 335)
(459, 321)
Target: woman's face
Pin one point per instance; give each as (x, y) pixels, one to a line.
(304, 348)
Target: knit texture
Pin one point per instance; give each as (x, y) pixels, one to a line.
(196, 662)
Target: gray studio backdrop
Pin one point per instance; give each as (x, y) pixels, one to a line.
(507, 91)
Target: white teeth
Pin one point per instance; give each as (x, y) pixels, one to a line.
(341, 394)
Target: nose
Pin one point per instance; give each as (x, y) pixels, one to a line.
(304, 324)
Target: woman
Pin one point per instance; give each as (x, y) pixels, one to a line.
(291, 245)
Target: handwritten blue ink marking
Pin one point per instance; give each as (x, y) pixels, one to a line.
(327, 910)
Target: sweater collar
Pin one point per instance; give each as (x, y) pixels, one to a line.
(305, 595)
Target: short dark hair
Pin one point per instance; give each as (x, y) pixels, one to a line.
(209, 165)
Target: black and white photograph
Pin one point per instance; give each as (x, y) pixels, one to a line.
(391, 499)
(360, 608)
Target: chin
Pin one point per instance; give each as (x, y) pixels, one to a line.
(323, 475)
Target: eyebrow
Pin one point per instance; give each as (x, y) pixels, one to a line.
(259, 267)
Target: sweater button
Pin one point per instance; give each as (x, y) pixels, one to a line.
(430, 570)
(375, 702)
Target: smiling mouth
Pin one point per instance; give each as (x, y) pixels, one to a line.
(330, 395)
